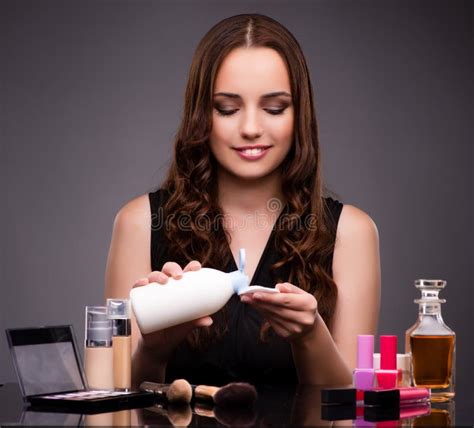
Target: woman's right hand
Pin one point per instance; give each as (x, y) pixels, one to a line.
(162, 343)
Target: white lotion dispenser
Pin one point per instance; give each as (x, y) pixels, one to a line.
(195, 295)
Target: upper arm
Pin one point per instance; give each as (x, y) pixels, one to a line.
(129, 253)
(356, 271)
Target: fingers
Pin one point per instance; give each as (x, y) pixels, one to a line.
(203, 322)
(157, 276)
(286, 287)
(192, 265)
(140, 282)
(276, 312)
(279, 327)
(299, 302)
(172, 269)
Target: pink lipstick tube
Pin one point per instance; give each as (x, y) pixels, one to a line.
(364, 374)
(397, 396)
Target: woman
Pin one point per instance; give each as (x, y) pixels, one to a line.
(246, 174)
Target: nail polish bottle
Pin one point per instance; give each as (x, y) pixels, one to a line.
(403, 368)
(388, 374)
(364, 374)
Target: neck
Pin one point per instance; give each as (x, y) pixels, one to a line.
(243, 196)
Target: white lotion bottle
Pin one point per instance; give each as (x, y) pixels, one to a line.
(195, 295)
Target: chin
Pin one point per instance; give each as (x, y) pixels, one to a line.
(248, 174)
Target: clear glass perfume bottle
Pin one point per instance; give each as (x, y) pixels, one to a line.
(432, 344)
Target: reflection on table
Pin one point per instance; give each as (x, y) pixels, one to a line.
(276, 405)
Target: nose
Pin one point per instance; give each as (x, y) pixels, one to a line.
(250, 128)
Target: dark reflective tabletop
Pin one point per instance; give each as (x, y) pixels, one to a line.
(276, 406)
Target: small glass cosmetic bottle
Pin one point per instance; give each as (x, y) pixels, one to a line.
(98, 352)
(118, 311)
(432, 344)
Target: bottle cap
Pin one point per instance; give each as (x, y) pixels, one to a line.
(430, 289)
(403, 361)
(431, 283)
(98, 326)
(388, 352)
(238, 278)
(365, 351)
(118, 308)
(239, 281)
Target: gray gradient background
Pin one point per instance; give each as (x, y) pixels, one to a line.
(92, 94)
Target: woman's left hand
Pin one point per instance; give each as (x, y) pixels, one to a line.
(292, 313)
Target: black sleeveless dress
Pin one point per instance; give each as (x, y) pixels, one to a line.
(239, 355)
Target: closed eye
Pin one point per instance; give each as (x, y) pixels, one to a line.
(226, 112)
(275, 111)
(272, 111)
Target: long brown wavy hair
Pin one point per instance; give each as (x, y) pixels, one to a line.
(192, 177)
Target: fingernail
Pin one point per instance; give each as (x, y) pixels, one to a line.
(257, 295)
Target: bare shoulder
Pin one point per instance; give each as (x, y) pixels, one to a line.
(129, 252)
(355, 223)
(134, 216)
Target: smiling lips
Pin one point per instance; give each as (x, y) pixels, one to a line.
(252, 152)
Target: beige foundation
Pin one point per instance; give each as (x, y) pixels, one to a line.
(99, 367)
(119, 312)
(98, 352)
(122, 350)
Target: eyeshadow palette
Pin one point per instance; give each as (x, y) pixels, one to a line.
(50, 374)
(85, 395)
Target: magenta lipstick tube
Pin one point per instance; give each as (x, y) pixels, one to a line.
(387, 376)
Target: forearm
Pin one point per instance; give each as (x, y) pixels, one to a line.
(146, 365)
(317, 358)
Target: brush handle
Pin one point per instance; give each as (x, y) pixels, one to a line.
(156, 388)
(205, 392)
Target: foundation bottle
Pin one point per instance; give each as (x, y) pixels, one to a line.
(432, 344)
(98, 352)
(118, 311)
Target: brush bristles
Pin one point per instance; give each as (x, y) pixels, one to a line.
(180, 391)
(237, 393)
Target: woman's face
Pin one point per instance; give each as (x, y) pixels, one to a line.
(252, 117)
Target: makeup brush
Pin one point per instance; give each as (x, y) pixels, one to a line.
(236, 393)
(179, 391)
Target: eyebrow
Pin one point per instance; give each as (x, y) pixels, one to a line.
(265, 96)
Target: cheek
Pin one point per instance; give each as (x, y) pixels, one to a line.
(222, 132)
(282, 129)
